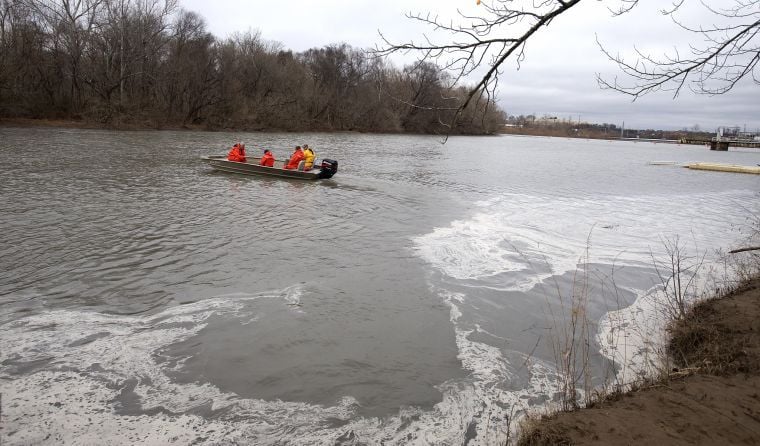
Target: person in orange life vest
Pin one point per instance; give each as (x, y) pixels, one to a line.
(232, 155)
(268, 159)
(295, 158)
(237, 153)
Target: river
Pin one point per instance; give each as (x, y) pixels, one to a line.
(408, 300)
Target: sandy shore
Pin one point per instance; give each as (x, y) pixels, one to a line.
(717, 348)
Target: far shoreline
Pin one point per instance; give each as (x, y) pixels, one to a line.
(92, 125)
(80, 124)
(127, 127)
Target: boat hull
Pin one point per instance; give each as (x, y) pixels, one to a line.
(220, 162)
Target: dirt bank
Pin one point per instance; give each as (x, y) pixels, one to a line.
(718, 402)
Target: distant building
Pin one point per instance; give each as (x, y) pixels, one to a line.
(736, 133)
(547, 120)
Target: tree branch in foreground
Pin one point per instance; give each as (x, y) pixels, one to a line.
(492, 38)
(728, 51)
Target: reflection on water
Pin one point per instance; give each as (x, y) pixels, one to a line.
(400, 301)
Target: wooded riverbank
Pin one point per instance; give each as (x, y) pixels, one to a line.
(155, 65)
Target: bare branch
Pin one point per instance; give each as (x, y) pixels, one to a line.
(725, 52)
(497, 35)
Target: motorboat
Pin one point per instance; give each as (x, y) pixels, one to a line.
(324, 169)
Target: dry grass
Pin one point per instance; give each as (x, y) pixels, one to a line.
(718, 337)
(534, 432)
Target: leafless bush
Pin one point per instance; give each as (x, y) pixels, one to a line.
(745, 261)
(570, 337)
(678, 273)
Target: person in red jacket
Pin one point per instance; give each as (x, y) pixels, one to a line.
(237, 153)
(268, 159)
(295, 158)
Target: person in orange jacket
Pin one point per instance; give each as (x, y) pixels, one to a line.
(295, 158)
(237, 153)
(268, 159)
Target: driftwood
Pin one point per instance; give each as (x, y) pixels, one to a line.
(751, 248)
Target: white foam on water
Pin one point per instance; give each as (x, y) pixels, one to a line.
(515, 242)
(488, 403)
(293, 295)
(634, 338)
(88, 364)
(87, 359)
(523, 240)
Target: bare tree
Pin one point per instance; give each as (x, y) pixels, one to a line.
(489, 39)
(338, 73)
(70, 22)
(725, 50)
(191, 77)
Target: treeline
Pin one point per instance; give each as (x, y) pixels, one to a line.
(150, 63)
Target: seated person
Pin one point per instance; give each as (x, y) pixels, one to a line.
(295, 158)
(308, 157)
(237, 153)
(268, 159)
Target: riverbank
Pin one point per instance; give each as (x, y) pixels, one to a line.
(712, 396)
(146, 125)
(150, 125)
(84, 124)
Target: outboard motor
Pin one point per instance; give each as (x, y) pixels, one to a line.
(328, 168)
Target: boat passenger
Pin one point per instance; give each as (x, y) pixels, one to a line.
(268, 159)
(237, 153)
(308, 157)
(295, 158)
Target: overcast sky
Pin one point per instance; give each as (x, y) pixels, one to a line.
(558, 76)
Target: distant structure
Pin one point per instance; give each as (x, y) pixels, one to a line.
(725, 136)
(736, 133)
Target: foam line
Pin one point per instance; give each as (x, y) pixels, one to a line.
(520, 241)
(90, 377)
